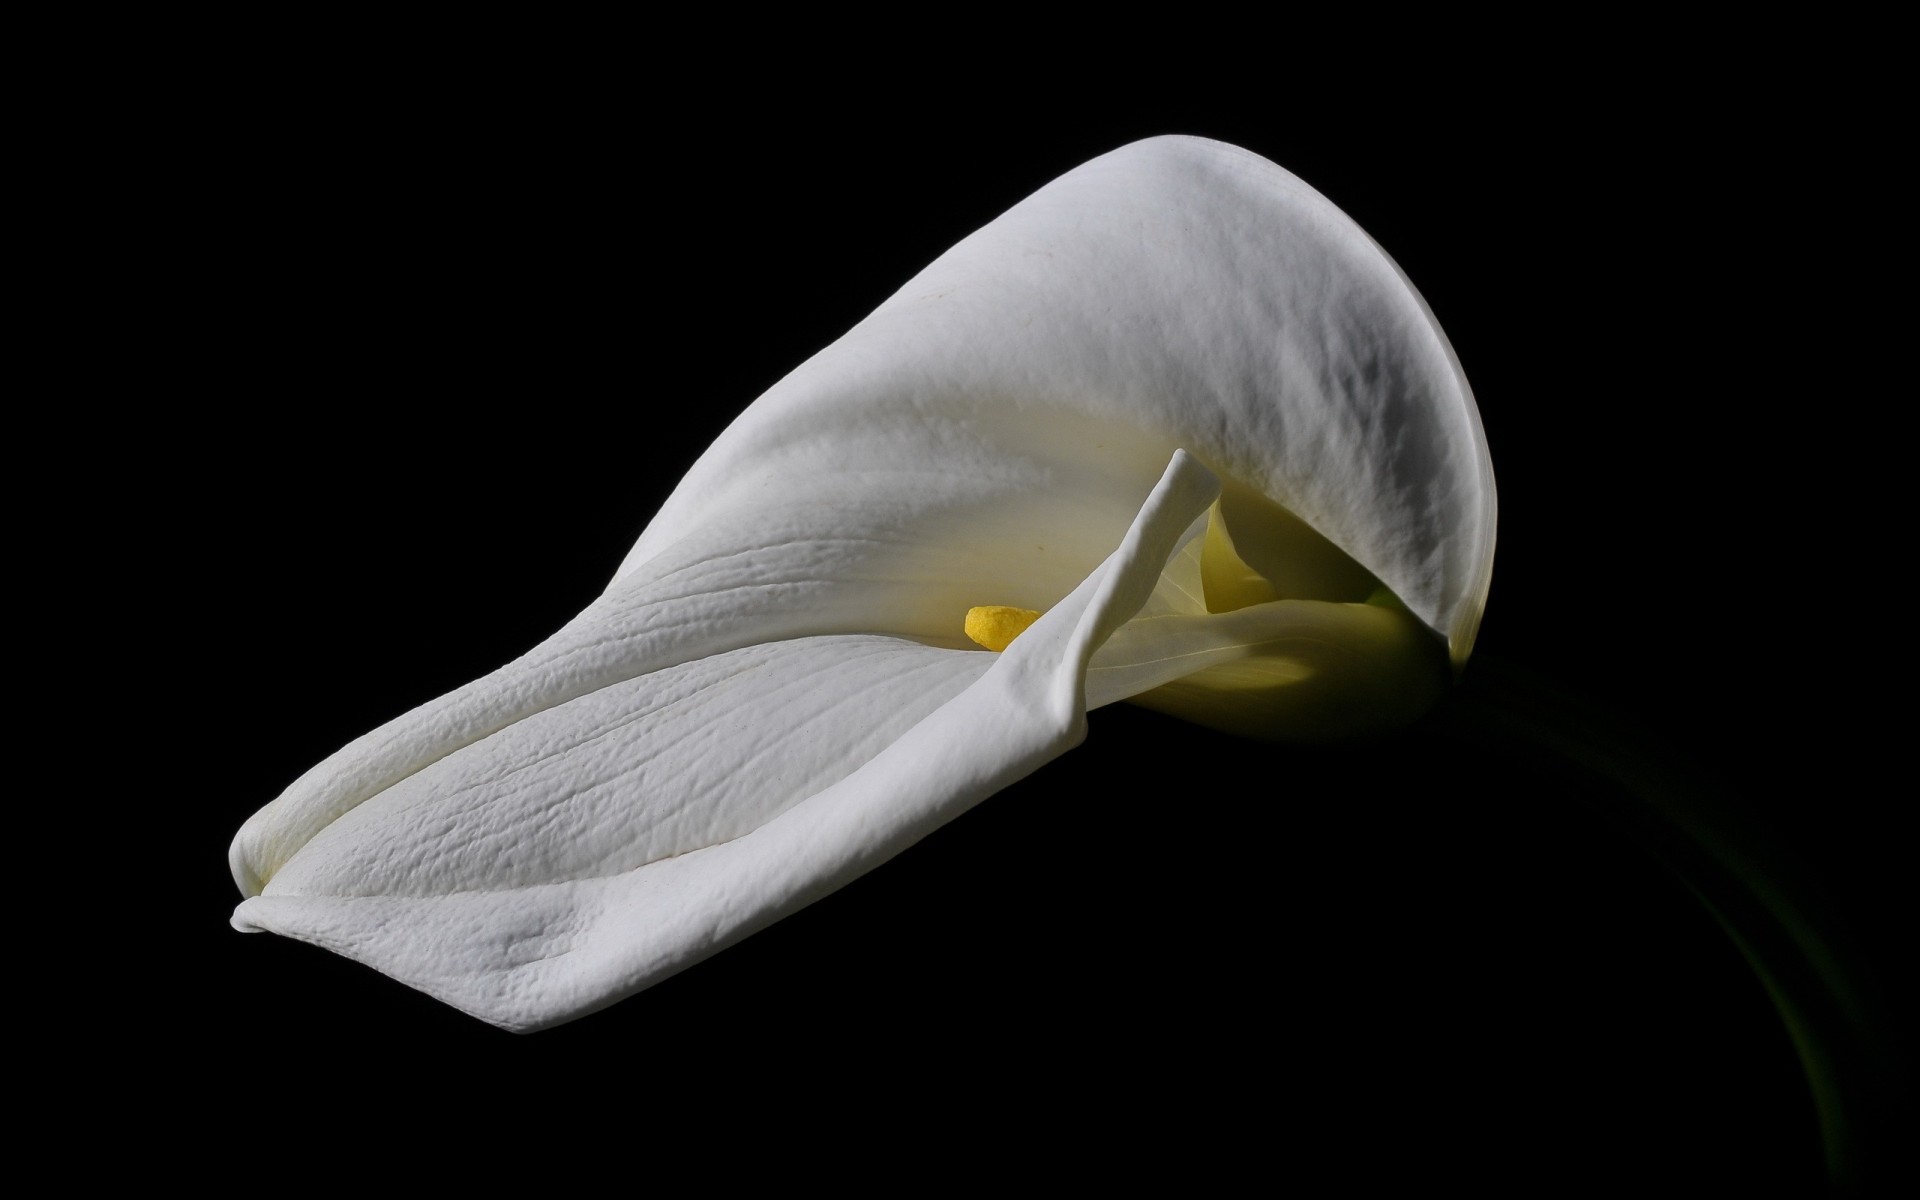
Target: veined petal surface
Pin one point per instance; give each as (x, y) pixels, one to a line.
(579, 855)
(774, 694)
(1177, 293)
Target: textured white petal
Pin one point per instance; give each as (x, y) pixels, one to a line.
(669, 762)
(1176, 293)
(540, 873)
(774, 694)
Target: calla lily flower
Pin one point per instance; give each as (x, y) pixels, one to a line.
(1173, 429)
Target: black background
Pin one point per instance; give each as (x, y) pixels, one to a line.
(447, 337)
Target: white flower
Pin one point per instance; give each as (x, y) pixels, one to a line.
(1175, 402)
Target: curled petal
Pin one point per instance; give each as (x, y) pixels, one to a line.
(1003, 409)
(775, 693)
(495, 883)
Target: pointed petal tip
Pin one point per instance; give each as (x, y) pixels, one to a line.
(241, 858)
(242, 919)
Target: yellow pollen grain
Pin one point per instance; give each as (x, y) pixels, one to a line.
(996, 625)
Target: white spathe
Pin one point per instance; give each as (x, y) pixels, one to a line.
(774, 695)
